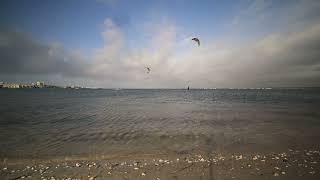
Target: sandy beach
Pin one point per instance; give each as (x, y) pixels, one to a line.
(291, 164)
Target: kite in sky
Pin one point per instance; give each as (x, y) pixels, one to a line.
(196, 40)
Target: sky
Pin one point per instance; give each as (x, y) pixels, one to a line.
(108, 43)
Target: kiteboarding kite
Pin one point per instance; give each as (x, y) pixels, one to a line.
(196, 40)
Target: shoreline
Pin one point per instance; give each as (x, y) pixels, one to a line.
(291, 164)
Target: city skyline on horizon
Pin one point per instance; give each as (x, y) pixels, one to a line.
(178, 88)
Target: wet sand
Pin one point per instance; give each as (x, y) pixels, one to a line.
(290, 164)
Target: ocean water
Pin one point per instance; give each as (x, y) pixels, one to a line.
(66, 122)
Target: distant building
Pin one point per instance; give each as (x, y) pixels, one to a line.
(26, 86)
(39, 84)
(11, 86)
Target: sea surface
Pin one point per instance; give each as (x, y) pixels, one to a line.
(37, 123)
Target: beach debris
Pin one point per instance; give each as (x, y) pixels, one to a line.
(157, 178)
(92, 164)
(316, 152)
(248, 165)
(143, 174)
(283, 173)
(92, 178)
(161, 161)
(277, 168)
(312, 172)
(202, 160)
(109, 173)
(220, 157)
(114, 165)
(285, 160)
(283, 154)
(238, 157)
(275, 174)
(135, 168)
(255, 158)
(78, 165)
(214, 160)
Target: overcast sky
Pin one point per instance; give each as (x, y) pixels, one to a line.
(108, 43)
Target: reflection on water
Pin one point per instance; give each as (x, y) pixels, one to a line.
(41, 122)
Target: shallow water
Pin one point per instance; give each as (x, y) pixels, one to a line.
(64, 122)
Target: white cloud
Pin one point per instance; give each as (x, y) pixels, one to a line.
(113, 42)
(275, 60)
